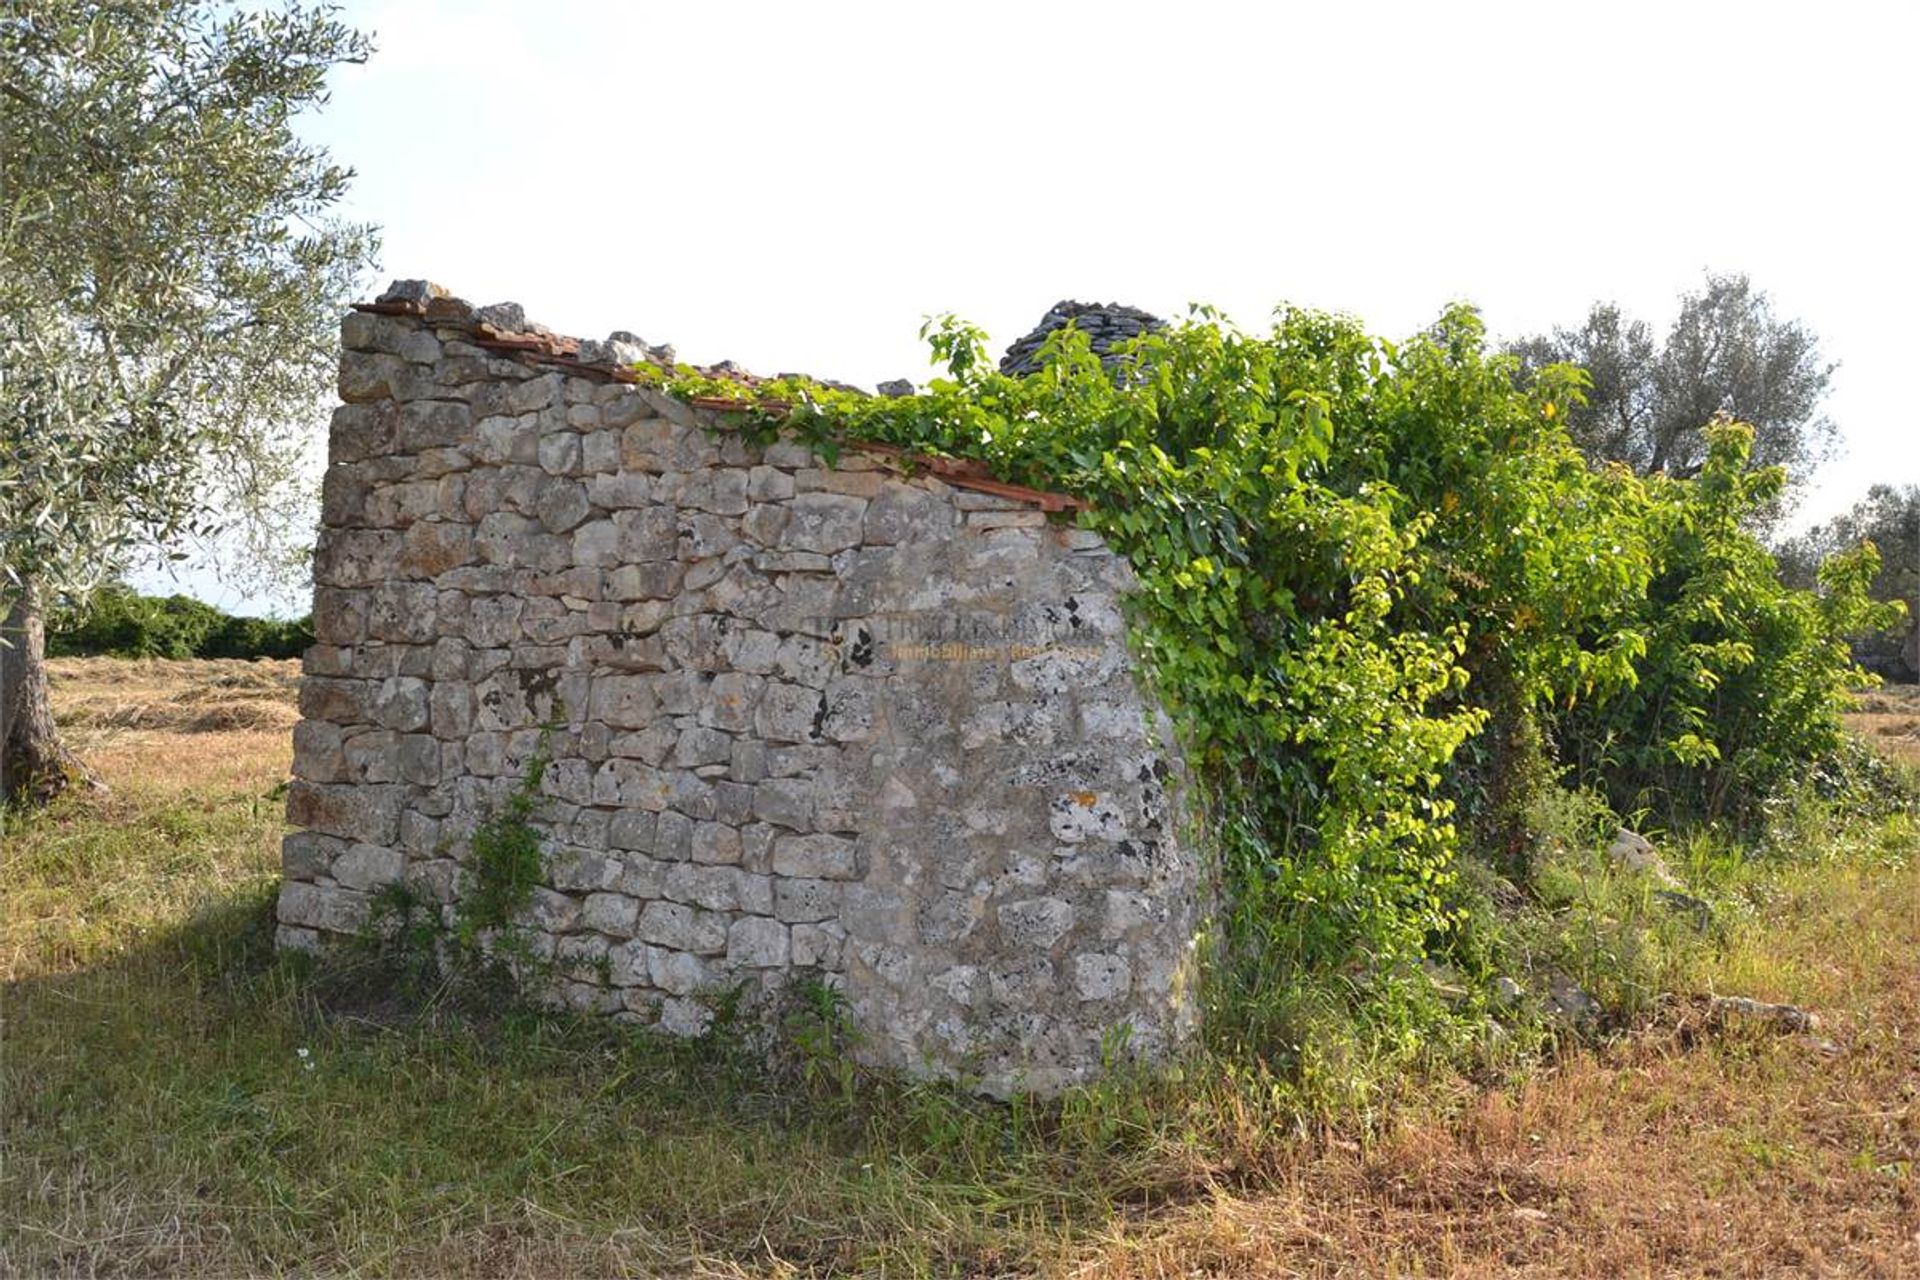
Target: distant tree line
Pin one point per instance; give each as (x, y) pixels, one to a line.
(1889, 517)
(119, 622)
(1649, 400)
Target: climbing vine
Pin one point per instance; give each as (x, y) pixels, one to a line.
(1384, 595)
(479, 948)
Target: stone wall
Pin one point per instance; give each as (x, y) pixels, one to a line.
(835, 721)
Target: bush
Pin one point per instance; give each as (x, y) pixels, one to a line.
(1381, 591)
(117, 621)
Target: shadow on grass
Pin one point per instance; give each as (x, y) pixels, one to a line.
(195, 1102)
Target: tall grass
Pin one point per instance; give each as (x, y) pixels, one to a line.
(175, 1099)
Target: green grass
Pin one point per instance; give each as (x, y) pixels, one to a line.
(173, 1099)
(176, 1098)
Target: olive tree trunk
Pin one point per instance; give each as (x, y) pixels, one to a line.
(34, 765)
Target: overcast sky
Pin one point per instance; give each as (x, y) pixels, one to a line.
(794, 186)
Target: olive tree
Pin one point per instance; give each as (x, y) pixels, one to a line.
(1726, 355)
(1888, 517)
(171, 268)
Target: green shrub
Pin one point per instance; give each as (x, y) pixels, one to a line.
(119, 622)
(1382, 592)
(1742, 680)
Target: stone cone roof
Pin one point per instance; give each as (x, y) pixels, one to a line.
(1105, 323)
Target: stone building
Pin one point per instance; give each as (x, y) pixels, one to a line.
(872, 723)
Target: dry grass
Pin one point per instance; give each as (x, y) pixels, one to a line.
(156, 1118)
(1889, 717)
(118, 701)
(1749, 1154)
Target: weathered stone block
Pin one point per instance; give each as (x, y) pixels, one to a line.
(611, 913)
(819, 857)
(715, 843)
(757, 943)
(308, 855)
(824, 522)
(1101, 977)
(352, 811)
(401, 704)
(368, 867)
(331, 910)
(683, 928)
(433, 424)
(366, 377)
(1036, 923)
(678, 973)
(789, 713)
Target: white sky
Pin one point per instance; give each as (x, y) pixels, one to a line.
(794, 186)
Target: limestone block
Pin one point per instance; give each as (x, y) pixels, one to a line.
(766, 525)
(403, 613)
(535, 393)
(715, 843)
(553, 912)
(816, 945)
(401, 704)
(610, 913)
(368, 867)
(317, 756)
(1022, 983)
(493, 621)
(673, 836)
(365, 377)
(450, 709)
(433, 424)
(824, 522)
(431, 548)
(687, 1018)
(820, 857)
(902, 512)
(731, 700)
(627, 964)
(333, 910)
(631, 829)
(646, 534)
(1086, 815)
(754, 942)
(683, 928)
(789, 713)
(678, 973)
(708, 887)
(769, 484)
(364, 331)
(1036, 923)
(352, 811)
(788, 453)
(806, 901)
(419, 833)
(704, 536)
(371, 756)
(355, 557)
(1099, 976)
(361, 431)
(559, 453)
(308, 855)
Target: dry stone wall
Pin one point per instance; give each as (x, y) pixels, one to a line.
(811, 721)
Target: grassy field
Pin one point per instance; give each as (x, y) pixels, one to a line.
(177, 1103)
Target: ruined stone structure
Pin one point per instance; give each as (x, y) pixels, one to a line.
(862, 723)
(1106, 324)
